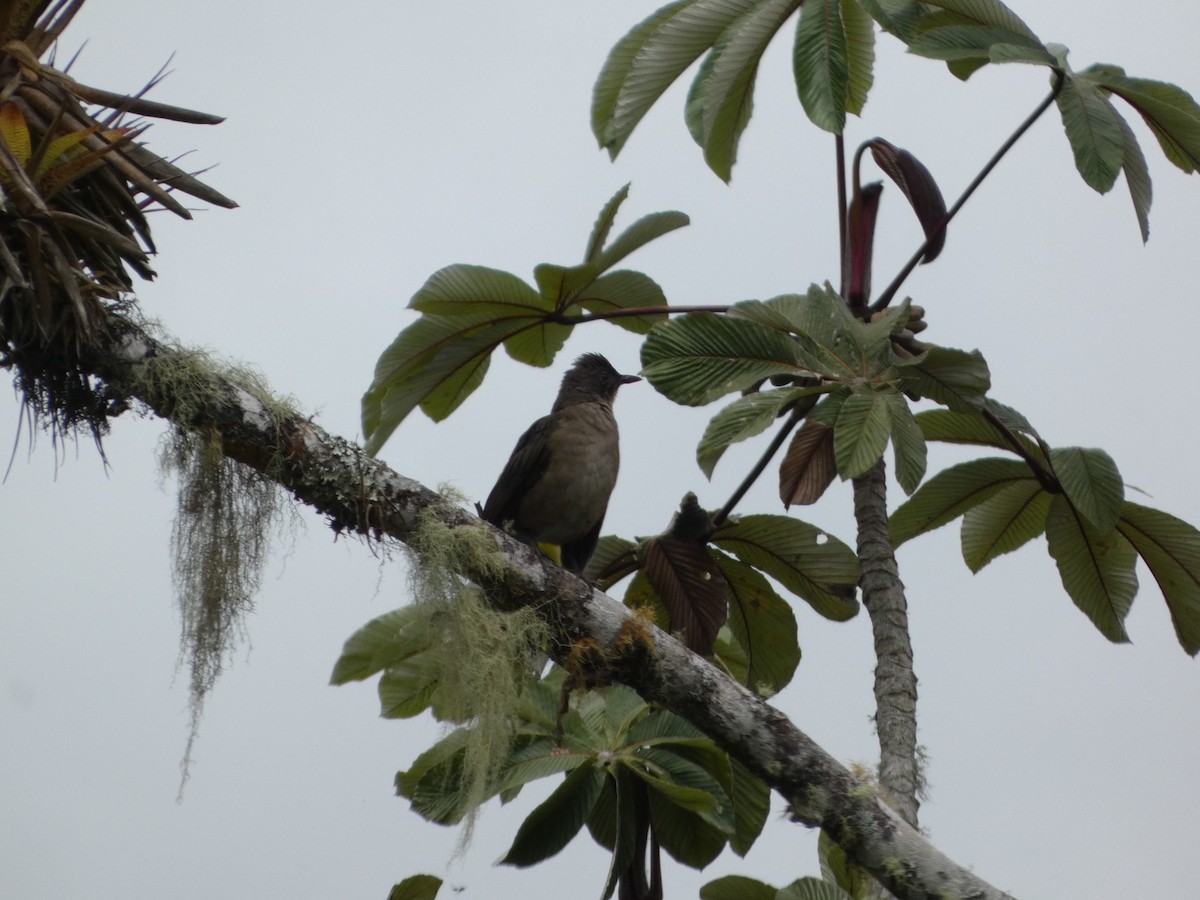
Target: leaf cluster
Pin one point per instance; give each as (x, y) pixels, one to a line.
(833, 56)
(1076, 498)
(469, 311)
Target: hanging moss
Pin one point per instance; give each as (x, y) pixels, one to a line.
(485, 657)
(225, 518)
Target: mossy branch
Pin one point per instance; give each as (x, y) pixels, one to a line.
(363, 495)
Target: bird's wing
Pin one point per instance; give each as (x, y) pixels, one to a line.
(527, 464)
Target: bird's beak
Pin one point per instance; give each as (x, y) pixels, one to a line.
(630, 379)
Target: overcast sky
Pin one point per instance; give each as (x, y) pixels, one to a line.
(370, 149)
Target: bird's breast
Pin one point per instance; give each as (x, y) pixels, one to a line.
(571, 497)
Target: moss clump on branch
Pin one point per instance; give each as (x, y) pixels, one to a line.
(485, 657)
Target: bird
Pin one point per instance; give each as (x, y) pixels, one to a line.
(555, 487)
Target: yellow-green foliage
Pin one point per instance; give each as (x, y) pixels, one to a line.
(486, 656)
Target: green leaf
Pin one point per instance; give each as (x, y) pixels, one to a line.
(407, 688)
(466, 290)
(553, 824)
(613, 559)
(953, 378)
(860, 55)
(1097, 569)
(640, 233)
(812, 564)
(950, 493)
(984, 12)
(763, 624)
(1170, 111)
(433, 784)
(1015, 515)
(737, 887)
(837, 869)
(810, 888)
(383, 641)
(830, 340)
(416, 887)
(964, 32)
(744, 418)
(604, 224)
(1094, 130)
(972, 428)
(649, 58)
(624, 289)
(697, 358)
(1092, 483)
(720, 100)
(1137, 179)
(897, 17)
(861, 432)
(540, 758)
(751, 803)
(908, 444)
(819, 60)
(432, 353)
(560, 285)
(1170, 548)
(689, 837)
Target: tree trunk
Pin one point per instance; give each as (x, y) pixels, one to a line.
(895, 682)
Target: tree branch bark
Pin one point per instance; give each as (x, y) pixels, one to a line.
(363, 495)
(895, 681)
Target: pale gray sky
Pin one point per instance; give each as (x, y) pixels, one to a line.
(369, 150)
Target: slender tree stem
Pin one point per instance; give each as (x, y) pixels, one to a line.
(890, 291)
(763, 462)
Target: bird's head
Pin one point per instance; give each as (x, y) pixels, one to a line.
(591, 378)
